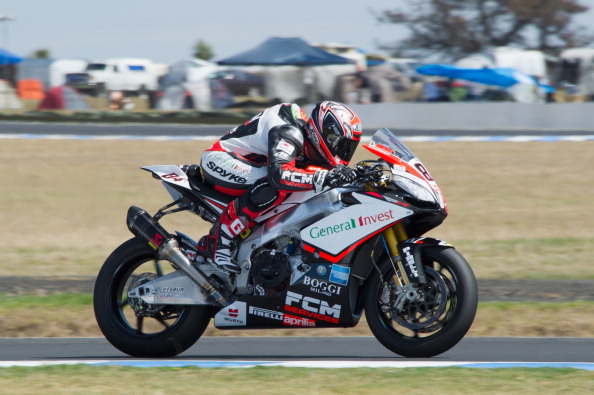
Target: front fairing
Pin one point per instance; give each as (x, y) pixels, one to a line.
(408, 172)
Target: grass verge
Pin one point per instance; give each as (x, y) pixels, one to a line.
(80, 379)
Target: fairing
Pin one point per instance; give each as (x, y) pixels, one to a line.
(408, 172)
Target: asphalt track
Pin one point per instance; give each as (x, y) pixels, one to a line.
(307, 352)
(187, 131)
(290, 351)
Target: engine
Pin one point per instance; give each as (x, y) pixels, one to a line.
(271, 271)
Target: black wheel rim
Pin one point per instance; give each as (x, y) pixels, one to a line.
(153, 320)
(428, 315)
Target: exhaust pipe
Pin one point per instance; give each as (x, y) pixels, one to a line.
(146, 229)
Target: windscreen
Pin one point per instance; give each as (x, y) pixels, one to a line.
(96, 66)
(388, 141)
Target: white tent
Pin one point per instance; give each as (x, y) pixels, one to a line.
(51, 72)
(192, 70)
(8, 97)
(194, 95)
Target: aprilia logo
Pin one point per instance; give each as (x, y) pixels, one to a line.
(298, 321)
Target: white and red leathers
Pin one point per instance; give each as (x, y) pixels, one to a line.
(260, 161)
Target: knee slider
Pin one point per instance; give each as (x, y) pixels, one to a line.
(260, 196)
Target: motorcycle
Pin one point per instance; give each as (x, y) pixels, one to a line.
(316, 260)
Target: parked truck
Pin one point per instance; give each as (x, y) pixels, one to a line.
(129, 75)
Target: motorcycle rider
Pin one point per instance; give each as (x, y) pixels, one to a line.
(277, 152)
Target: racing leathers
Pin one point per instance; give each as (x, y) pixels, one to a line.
(260, 162)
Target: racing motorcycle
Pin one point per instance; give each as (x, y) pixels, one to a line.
(317, 260)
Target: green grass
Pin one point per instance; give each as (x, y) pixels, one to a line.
(81, 379)
(57, 300)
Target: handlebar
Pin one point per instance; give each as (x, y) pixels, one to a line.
(372, 171)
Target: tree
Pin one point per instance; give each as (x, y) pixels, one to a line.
(456, 28)
(42, 53)
(203, 51)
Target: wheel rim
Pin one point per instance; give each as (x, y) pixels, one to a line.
(134, 315)
(429, 312)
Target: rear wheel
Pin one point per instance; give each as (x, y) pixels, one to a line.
(133, 326)
(427, 319)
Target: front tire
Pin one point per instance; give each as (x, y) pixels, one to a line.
(437, 319)
(140, 329)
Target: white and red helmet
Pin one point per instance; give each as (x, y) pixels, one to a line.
(335, 131)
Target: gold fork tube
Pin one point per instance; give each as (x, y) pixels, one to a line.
(394, 235)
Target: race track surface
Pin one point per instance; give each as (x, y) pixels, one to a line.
(307, 352)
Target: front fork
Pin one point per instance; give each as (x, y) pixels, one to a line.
(408, 270)
(393, 236)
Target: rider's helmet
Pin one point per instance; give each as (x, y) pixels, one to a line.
(334, 130)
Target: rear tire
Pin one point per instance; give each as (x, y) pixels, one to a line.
(157, 331)
(430, 326)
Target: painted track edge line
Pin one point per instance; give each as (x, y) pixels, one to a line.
(148, 363)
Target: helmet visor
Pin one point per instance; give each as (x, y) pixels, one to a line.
(339, 146)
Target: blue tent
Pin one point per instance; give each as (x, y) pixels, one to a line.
(498, 76)
(8, 58)
(277, 51)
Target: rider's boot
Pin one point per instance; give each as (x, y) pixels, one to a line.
(218, 244)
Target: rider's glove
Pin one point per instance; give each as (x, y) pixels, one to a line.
(340, 175)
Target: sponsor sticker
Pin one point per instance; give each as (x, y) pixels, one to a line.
(340, 274)
(313, 308)
(321, 270)
(260, 312)
(232, 315)
(285, 146)
(336, 232)
(291, 320)
(321, 286)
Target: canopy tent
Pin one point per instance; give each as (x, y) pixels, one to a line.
(8, 63)
(293, 69)
(279, 51)
(8, 57)
(497, 76)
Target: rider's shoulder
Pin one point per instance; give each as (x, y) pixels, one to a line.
(290, 110)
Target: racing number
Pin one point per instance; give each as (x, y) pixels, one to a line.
(423, 171)
(173, 177)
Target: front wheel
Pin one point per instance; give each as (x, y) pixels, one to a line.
(428, 319)
(132, 326)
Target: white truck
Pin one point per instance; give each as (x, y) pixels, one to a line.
(121, 74)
